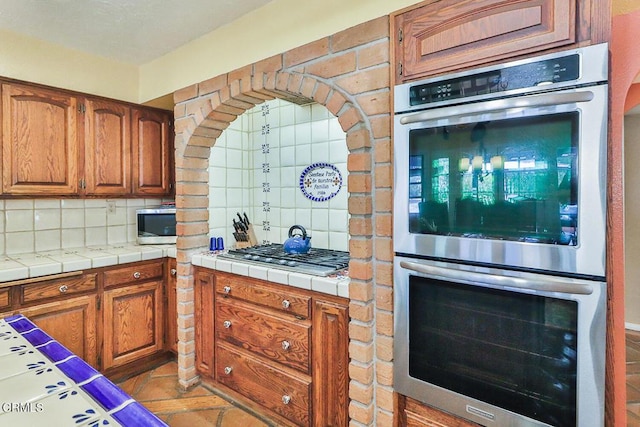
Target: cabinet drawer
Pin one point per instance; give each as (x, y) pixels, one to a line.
(134, 273)
(252, 290)
(273, 337)
(284, 393)
(56, 288)
(5, 300)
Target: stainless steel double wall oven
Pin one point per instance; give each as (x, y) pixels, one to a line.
(499, 235)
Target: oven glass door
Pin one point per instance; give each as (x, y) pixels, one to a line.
(513, 179)
(494, 183)
(513, 350)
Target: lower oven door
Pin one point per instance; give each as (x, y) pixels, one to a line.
(497, 347)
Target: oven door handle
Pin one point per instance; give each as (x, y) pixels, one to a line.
(556, 284)
(533, 101)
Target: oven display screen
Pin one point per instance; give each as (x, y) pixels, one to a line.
(513, 350)
(513, 179)
(530, 75)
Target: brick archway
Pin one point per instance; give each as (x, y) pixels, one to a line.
(348, 73)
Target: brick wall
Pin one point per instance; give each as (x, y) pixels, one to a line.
(348, 73)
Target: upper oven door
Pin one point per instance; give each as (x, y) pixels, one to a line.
(517, 182)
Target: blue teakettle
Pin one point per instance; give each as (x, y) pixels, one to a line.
(298, 243)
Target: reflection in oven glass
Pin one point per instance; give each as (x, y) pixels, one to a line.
(511, 179)
(509, 349)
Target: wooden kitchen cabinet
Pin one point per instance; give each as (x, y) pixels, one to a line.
(279, 349)
(72, 322)
(62, 143)
(133, 314)
(40, 141)
(107, 147)
(204, 292)
(151, 154)
(65, 308)
(412, 413)
(172, 306)
(330, 346)
(434, 37)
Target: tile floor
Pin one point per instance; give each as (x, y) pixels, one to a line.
(159, 392)
(633, 378)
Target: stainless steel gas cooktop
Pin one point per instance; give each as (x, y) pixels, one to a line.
(317, 262)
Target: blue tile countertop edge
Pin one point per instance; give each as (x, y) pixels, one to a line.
(114, 401)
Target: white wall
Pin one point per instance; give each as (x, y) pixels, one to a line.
(297, 136)
(632, 212)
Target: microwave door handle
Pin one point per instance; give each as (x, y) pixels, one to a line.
(543, 100)
(546, 285)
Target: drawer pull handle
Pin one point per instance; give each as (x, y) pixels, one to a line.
(286, 345)
(173, 271)
(227, 370)
(286, 304)
(226, 289)
(226, 324)
(286, 399)
(136, 275)
(63, 289)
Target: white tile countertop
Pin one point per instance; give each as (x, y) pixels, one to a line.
(42, 383)
(25, 266)
(332, 285)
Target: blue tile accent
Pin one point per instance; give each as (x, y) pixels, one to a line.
(137, 415)
(107, 394)
(77, 369)
(22, 325)
(55, 351)
(13, 318)
(36, 337)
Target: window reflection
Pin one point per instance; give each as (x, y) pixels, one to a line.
(511, 179)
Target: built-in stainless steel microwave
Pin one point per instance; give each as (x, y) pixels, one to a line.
(156, 226)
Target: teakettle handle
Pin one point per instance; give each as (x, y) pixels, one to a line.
(299, 227)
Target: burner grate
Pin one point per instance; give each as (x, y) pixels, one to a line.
(320, 262)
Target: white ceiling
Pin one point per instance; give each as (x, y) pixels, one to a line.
(131, 31)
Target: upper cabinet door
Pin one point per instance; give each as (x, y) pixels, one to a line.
(150, 151)
(39, 141)
(443, 36)
(107, 148)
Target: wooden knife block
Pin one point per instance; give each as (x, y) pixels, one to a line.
(253, 241)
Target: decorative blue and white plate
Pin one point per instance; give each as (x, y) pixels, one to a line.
(320, 181)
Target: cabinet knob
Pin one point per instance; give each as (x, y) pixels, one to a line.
(286, 399)
(286, 303)
(285, 345)
(63, 289)
(227, 370)
(226, 324)
(136, 275)
(226, 289)
(174, 271)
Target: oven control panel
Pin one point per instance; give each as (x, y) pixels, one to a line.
(529, 75)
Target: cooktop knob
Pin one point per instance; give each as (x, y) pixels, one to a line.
(268, 259)
(291, 263)
(255, 257)
(246, 256)
(282, 261)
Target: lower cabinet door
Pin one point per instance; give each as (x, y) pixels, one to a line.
(71, 322)
(132, 323)
(280, 391)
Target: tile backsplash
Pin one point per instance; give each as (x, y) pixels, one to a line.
(36, 225)
(255, 167)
